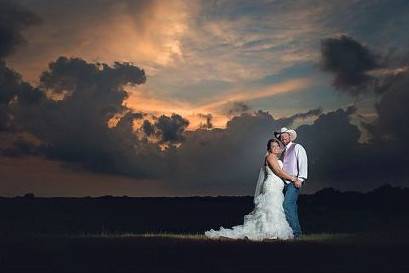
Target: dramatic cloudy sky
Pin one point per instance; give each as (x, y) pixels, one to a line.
(178, 98)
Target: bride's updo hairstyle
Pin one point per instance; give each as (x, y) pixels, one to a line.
(276, 140)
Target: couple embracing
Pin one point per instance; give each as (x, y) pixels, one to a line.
(275, 214)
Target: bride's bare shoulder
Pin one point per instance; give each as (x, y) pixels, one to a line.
(271, 155)
(271, 158)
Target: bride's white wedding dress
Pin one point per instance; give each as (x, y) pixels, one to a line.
(267, 220)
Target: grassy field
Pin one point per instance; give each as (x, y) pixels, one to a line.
(124, 234)
(171, 252)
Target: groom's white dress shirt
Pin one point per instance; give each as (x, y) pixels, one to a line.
(302, 162)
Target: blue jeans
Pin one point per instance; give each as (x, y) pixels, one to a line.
(291, 209)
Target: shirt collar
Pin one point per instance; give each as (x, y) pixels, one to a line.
(288, 144)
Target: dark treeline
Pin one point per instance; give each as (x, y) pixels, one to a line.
(382, 210)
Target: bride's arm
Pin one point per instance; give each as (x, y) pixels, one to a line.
(275, 167)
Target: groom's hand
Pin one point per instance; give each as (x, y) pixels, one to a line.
(298, 183)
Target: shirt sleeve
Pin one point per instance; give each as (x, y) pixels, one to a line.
(302, 163)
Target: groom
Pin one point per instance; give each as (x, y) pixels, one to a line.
(295, 163)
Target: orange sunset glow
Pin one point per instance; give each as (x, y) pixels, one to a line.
(140, 102)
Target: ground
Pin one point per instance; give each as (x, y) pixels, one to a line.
(167, 252)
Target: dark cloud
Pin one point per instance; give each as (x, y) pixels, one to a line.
(5, 122)
(9, 83)
(148, 128)
(126, 122)
(350, 61)
(14, 92)
(166, 129)
(222, 161)
(236, 108)
(392, 98)
(74, 129)
(384, 157)
(13, 20)
(311, 113)
(216, 161)
(171, 129)
(12, 87)
(392, 110)
(331, 142)
(390, 89)
(208, 121)
(225, 161)
(21, 145)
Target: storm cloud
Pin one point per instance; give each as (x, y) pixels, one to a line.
(392, 111)
(13, 19)
(74, 128)
(349, 61)
(236, 108)
(208, 121)
(385, 154)
(166, 129)
(390, 84)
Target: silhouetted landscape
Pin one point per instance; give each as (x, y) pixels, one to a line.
(383, 209)
(345, 232)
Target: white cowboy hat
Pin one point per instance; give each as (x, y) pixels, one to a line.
(291, 132)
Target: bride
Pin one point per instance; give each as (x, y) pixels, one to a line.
(267, 220)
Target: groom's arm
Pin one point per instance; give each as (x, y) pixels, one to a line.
(302, 161)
